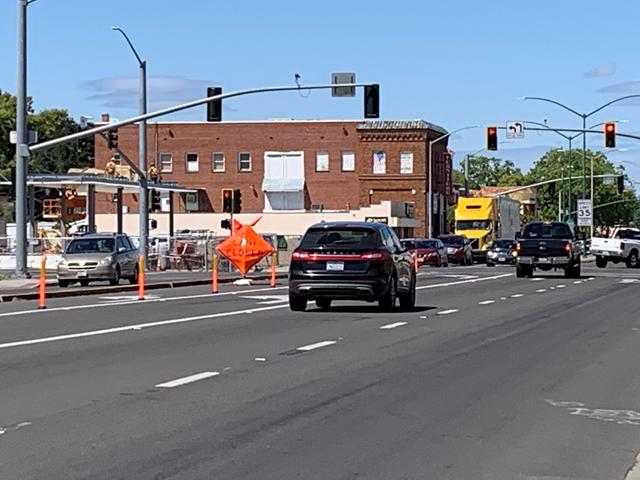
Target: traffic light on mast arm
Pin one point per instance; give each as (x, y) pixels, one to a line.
(227, 200)
(372, 101)
(620, 184)
(214, 107)
(492, 138)
(610, 135)
(237, 201)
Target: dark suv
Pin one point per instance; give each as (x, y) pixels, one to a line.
(351, 261)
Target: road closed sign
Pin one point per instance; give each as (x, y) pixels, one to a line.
(585, 212)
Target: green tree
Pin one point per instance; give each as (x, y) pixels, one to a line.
(492, 172)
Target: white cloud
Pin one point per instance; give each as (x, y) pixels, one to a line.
(625, 87)
(604, 70)
(162, 91)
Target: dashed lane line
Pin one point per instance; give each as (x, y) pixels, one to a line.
(393, 325)
(314, 346)
(487, 302)
(446, 312)
(517, 295)
(541, 290)
(495, 277)
(185, 380)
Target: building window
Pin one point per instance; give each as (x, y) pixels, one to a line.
(217, 162)
(191, 202)
(348, 162)
(406, 162)
(283, 182)
(166, 163)
(322, 162)
(244, 162)
(379, 162)
(192, 162)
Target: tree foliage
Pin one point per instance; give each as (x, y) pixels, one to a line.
(492, 172)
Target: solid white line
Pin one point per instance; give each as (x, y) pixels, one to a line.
(487, 302)
(463, 281)
(517, 295)
(140, 302)
(189, 379)
(542, 290)
(313, 346)
(140, 326)
(393, 325)
(447, 312)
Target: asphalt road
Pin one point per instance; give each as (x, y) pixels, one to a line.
(489, 377)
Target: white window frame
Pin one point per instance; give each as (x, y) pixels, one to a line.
(161, 164)
(403, 169)
(342, 161)
(187, 162)
(213, 163)
(322, 161)
(240, 169)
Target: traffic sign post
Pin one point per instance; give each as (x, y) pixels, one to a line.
(515, 129)
(585, 213)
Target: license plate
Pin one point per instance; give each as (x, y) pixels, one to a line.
(335, 266)
(81, 273)
(543, 260)
(502, 259)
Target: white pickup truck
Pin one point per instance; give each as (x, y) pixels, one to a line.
(622, 246)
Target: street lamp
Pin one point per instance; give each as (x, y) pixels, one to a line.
(430, 180)
(142, 158)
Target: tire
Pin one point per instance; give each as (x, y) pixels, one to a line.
(323, 303)
(446, 265)
(63, 283)
(568, 272)
(632, 259)
(601, 262)
(577, 270)
(491, 264)
(134, 280)
(388, 302)
(408, 300)
(116, 279)
(297, 304)
(523, 271)
(84, 283)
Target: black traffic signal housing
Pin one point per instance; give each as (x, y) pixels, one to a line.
(620, 184)
(492, 138)
(155, 203)
(225, 224)
(153, 224)
(372, 101)
(227, 200)
(552, 189)
(237, 201)
(214, 107)
(83, 143)
(112, 139)
(610, 135)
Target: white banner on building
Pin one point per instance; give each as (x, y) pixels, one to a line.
(379, 162)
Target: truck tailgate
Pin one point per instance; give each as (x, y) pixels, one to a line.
(606, 244)
(548, 247)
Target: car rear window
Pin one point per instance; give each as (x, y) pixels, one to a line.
(451, 240)
(92, 245)
(341, 238)
(547, 231)
(427, 244)
(503, 244)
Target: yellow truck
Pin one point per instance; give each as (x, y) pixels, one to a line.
(485, 219)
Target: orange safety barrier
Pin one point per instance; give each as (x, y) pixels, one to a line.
(214, 280)
(141, 278)
(273, 270)
(415, 261)
(43, 284)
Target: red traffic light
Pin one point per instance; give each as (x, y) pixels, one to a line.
(492, 131)
(610, 135)
(610, 127)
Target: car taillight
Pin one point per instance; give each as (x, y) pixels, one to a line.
(621, 245)
(567, 248)
(518, 247)
(296, 255)
(372, 256)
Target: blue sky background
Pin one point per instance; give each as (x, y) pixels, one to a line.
(455, 63)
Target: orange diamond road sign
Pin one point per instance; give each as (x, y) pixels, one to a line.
(245, 247)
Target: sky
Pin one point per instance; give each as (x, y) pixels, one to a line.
(455, 63)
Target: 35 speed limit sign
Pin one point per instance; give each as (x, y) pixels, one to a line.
(584, 213)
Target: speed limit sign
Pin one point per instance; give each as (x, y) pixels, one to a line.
(584, 213)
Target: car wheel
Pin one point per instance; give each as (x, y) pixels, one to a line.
(601, 262)
(297, 304)
(523, 271)
(489, 264)
(388, 302)
(576, 270)
(408, 300)
(446, 265)
(63, 283)
(568, 272)
(323, 303)
(632, 259)
(133, 280)
(116, 277)
(84, 283)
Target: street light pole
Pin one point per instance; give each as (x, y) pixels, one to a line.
(142, 157)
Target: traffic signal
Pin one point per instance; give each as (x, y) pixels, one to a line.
(492, 138)
(155, 201)
(552, 189)
(82, 143)
(227, 200)
(225, 224)
(237, 201)
(214, 107)
(153, 224)
(610, 135)
(620, 184)
(372, 101)
(112, 139)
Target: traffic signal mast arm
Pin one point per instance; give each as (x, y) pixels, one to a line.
(546, 182)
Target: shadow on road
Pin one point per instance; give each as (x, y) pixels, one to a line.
(373, 309)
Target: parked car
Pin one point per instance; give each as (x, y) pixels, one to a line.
(351, 261)
(430, 251)
(501, 251)
(98, 257)
(459, 249)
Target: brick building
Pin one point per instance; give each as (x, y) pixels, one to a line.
(289, 165)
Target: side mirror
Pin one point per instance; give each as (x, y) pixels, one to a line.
(122, 250)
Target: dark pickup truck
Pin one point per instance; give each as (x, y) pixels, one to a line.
(547, 246)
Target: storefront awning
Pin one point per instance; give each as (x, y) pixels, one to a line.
(283, 185)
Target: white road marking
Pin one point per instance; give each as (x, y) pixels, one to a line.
(447, 312)
(629, 280)
(542, 290)
(487, 302)
(634, 473)
(537, 279)
(577, 282)
(139, 302)
(393, 325)
(517, 295)
(189, 379)
(130, 298)
(313, 346)
(560, 286)
(268, 299)
(463, 281)
(93, 333)
(591, 278)
(260, 359)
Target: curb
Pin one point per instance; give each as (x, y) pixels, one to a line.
(81, 292)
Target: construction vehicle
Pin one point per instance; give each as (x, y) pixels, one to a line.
(485, 219)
